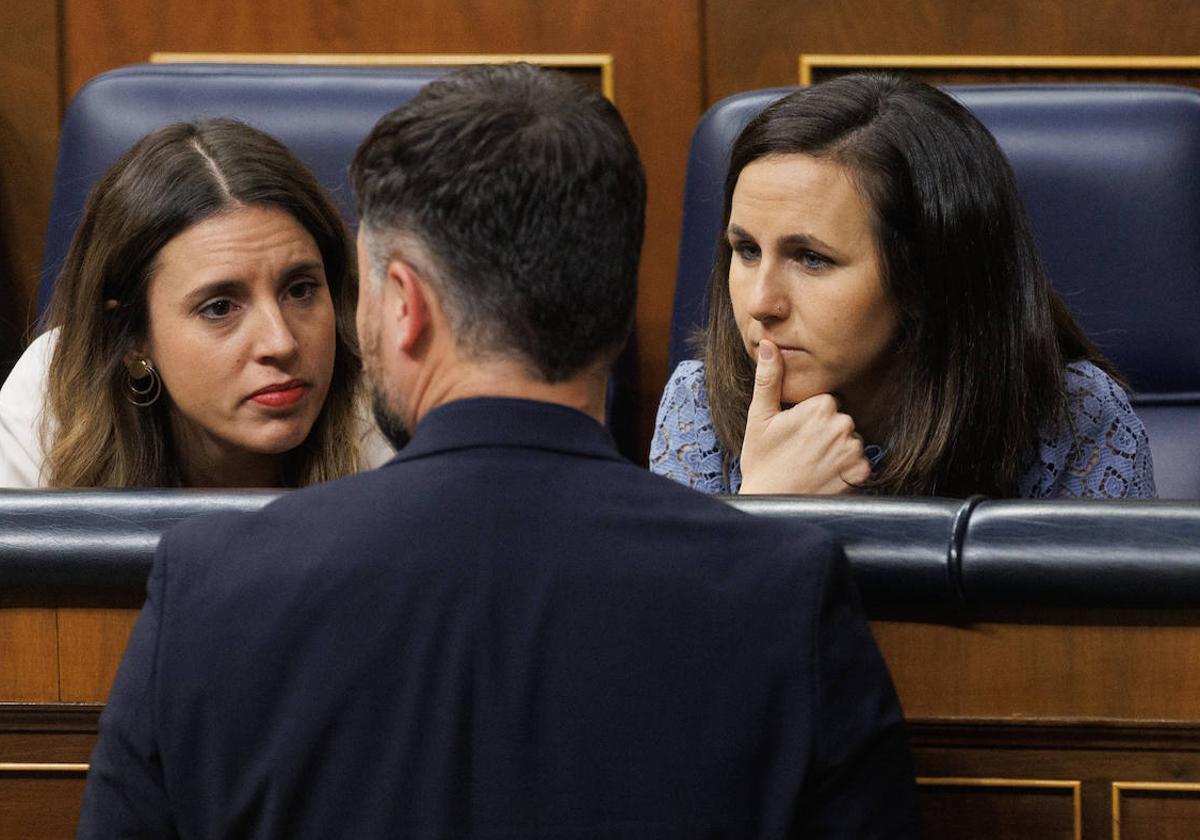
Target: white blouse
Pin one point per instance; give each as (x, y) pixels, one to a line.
(23, 398)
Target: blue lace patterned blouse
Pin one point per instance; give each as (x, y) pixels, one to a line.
(1105, 455)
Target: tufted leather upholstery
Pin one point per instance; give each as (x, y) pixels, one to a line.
(1110, 175)
(320, 113)
(947, 555)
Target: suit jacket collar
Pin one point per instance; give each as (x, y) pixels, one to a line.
(501, 421)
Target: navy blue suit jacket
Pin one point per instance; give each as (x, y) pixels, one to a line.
(508, 631)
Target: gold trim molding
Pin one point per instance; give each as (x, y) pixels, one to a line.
(1119, 787)
(40, 767)
(1074, 786)
(816, 61)
(582, 61)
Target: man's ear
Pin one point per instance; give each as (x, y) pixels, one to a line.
(413, 298)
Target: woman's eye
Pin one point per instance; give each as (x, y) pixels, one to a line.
(746, 251)
(814, 262)
(302, 290)
(217, 309)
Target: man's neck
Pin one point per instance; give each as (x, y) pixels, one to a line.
(583, 392)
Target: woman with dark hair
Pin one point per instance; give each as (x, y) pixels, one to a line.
(879, 320)
(201, 329)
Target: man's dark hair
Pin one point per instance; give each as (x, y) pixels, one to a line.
(525, 191)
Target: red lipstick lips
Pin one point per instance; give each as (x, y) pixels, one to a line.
(280, 395)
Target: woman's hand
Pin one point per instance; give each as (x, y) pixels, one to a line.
(810, 448)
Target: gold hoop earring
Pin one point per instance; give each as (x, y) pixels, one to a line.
(143, 383)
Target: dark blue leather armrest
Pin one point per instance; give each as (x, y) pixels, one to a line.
(1143, 553)
(947, 554)
(904, 552)
(98, 538)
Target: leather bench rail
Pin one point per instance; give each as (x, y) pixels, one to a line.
(102, 539)
(961, 555)
(948, 554)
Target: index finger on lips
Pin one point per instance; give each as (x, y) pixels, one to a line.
(768, 382)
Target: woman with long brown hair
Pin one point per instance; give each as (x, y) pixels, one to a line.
(879, 320)
(201, 329)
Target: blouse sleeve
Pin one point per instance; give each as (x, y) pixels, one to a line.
(684, 447)
(22, 400)
(1104, 454)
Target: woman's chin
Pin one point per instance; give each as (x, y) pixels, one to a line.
(277, 441)
(798, 392)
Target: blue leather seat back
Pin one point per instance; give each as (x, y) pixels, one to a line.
(1110, 176)
(320, 113)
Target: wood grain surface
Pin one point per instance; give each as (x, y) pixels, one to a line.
(28, 647)
(756, 43)
(30, 92)
(93, 631)
(1064, 664)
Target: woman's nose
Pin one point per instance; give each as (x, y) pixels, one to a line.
(274, 339)
(768, 298)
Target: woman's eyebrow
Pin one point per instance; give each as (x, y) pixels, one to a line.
(218, 288)
(737, 232)
(807, 240)
(226, 288)
(302, 267)
(791, 242)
